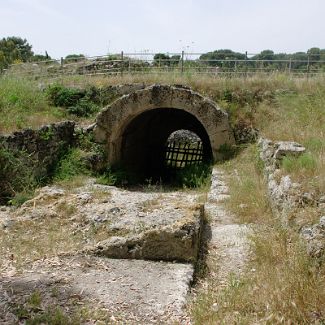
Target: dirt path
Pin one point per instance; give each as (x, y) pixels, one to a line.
(227, 249)
(228, 244)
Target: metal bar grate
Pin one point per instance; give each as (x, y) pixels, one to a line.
(180, 155)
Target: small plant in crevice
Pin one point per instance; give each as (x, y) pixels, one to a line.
(228, 151)
(107, 178)
(117, 176)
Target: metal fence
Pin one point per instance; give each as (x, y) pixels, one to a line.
(178, 63)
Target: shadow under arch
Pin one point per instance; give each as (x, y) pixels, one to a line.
(144, 140)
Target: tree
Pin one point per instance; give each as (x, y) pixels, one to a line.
(264, 55)
(73, 58)
(219, 58)
(161, 59)
(314, 53)
(174, 59)
(14, 49)
(41, 57)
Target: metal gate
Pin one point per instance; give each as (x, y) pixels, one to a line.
(180, 155)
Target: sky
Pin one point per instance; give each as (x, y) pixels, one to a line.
(99, 27)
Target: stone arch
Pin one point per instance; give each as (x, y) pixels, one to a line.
(162, 109)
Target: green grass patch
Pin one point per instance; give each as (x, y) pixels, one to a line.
(194, 176)
(23, 104)
(305, 162)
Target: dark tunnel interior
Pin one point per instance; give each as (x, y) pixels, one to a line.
(144, 140)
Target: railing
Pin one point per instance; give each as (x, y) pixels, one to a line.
(146, 63)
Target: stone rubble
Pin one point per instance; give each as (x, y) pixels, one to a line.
(287, 196)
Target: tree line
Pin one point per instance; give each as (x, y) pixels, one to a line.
(16, 50)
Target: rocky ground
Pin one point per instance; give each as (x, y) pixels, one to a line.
(52, 261)
(49, 248)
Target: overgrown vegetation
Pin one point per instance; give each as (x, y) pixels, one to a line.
(70, 165)
(281, 284)
(82, 103)
(194, 176)
(23, 104)
(17, 179)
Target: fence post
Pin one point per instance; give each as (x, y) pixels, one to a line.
(61, 65)
(182, 62)
(308, 65)
(290, 62)
(122, 62)
(246, 68)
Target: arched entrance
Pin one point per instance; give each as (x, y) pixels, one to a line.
(134, 129)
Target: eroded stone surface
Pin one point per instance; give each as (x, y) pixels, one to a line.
(142, 224)
(315, 237)
(179, 241)
(287, 196)
(130, 291)
(162, 225)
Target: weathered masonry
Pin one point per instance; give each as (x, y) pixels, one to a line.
(135, 128)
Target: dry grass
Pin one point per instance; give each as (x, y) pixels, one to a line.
(27, 241)
(249, 200)
(150, 205)
(281, 284)
(299, 117)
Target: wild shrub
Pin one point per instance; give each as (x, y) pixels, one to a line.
(228, 151)
(17, 178)
(119, 176)
(71, 165)
(82, 103)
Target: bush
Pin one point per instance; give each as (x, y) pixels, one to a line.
(82, 103)
(71, 165)
(17, 177)
(118, 176)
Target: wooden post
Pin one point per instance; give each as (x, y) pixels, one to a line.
(290, 65)
(122, 62)
(61, 65)
(182, 62)
(246, 68)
